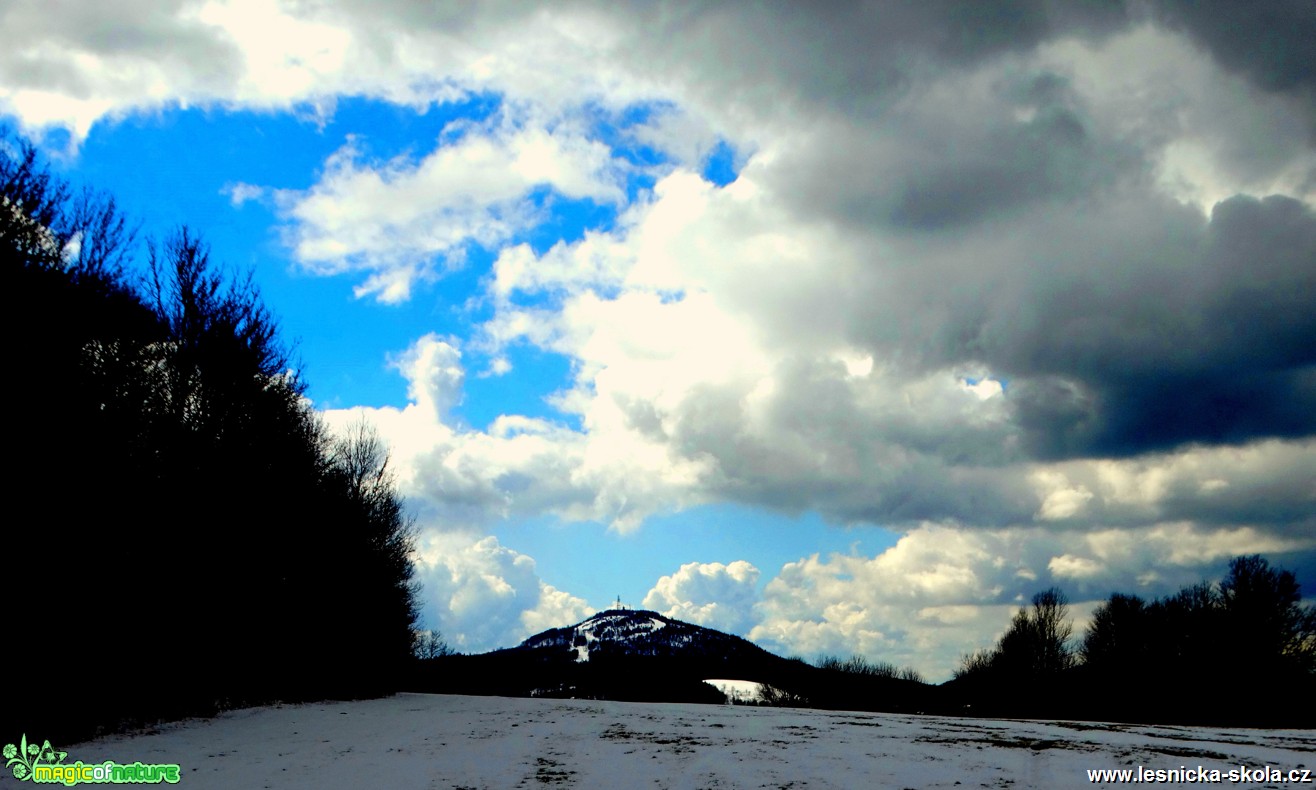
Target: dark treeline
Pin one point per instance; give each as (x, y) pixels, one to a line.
(1240, 652)
(860, 666)
(184, 534)
(678, 677)
(630, 660)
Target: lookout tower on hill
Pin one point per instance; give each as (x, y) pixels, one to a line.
(618, 606)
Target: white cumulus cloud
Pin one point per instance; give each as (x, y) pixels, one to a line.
(403, 220)
(483, 596)
(709, 594)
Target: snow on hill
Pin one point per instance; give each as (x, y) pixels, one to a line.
(638, 632)
(640, 655)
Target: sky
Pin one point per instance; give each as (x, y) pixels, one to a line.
(844, 327)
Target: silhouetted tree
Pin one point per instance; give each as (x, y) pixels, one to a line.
(1036, 644)
(772, 696)
(33, 206)
(858, 665)
(1185, 630)
(1269, 631)
(378, 609)
(170, 445)
(1037, 641)
(1119, 636)
(1248, 638)
(1024, 674)
(81, 342)
(430, 644)
(975, 664)
(43, 222)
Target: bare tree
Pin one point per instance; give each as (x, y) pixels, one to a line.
(1052, 630)
(1035, 644)
(430, 644)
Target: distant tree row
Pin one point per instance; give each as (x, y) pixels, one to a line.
(860, 666)
(1242, 651)
(184, 533)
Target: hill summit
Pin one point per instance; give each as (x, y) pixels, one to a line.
(643, 656)
(618, 654)
(615, 633)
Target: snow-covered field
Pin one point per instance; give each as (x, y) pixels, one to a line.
(440, 741)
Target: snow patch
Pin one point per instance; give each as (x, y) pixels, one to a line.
(738, 690)
(459, 741)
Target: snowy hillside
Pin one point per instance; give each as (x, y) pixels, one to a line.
(639, 655)
(637, 632)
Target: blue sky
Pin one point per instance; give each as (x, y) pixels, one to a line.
(178, 167)
(846, 330)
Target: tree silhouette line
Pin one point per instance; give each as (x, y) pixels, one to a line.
(860, 666)
(1239, 652)
(186, 535)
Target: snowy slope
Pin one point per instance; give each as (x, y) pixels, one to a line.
(639, 655)
(419, 740)
(638, 632)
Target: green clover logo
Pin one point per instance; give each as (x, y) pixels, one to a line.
(23, 758)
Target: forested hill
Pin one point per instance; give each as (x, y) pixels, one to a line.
(184, 534)
(637, 632)
(638, 655)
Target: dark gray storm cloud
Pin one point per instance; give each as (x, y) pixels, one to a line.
(1124, 321)
(1049, 156)
(1270, 43)
(1216, 347)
